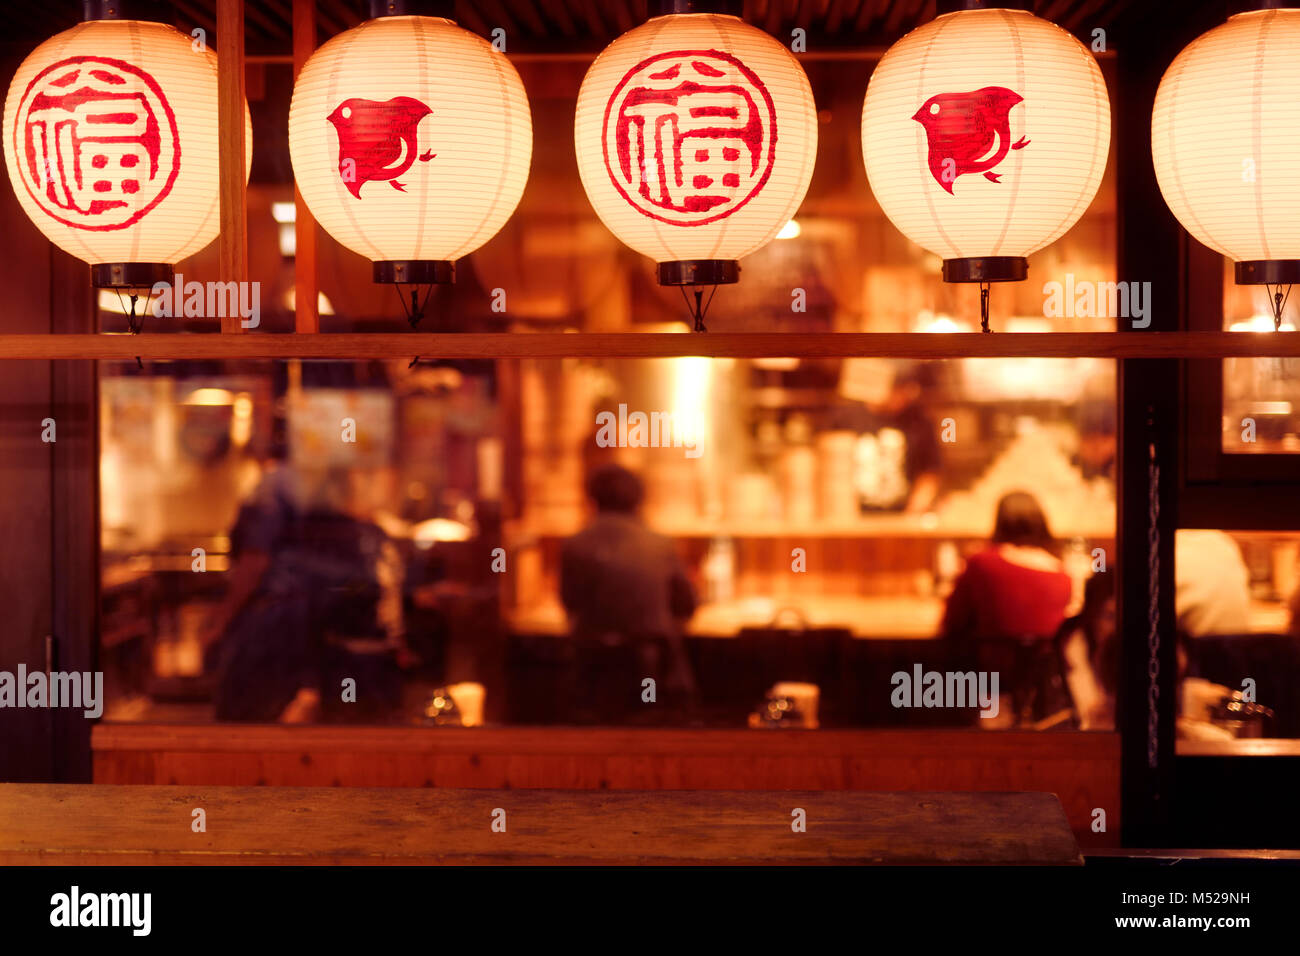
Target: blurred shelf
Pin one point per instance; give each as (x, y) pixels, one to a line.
(1242, 747)
(488, 345)
(885, 526)
(867, 618)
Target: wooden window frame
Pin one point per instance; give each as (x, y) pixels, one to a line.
(1154, 369)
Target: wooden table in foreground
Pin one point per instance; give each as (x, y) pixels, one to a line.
(97, 824)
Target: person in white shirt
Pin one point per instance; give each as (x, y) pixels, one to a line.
(1211, 584)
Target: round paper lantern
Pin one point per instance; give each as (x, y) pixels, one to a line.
(411, 141)
(696, 136)
(110, 140)
(985, 134)
(1225, 138)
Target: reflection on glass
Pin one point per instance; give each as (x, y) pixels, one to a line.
(345, 542)
(1238, 635)
(1261, 396)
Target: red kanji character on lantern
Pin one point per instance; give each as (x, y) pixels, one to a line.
(690, 136)
(97, 142)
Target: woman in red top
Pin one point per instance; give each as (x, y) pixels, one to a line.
(1007, 606)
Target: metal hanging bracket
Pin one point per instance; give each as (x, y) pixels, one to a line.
(1277, 301)
(700, 308)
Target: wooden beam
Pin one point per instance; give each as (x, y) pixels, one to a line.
(556, 13)
(495, 14)
(233, 241)
(73, 495)
(495, 345)
(306, 318)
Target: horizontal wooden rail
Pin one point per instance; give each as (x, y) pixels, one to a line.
(109, 737)
(430, 345)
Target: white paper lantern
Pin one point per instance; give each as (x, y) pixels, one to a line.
(985, 134)
(110, 139)
(696, 136)
(410, 139)
(1225, 138)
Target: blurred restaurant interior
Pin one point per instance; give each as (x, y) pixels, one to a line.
(426, 514)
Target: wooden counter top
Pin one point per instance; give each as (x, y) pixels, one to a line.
(869, 618)
(1082, 769)
(889, 618)
(1241, 747)
(878, 525)
(96, 824)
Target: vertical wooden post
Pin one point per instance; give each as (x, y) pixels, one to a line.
(74, 513)
(1148, 249)
(306, 318)
(233, 241)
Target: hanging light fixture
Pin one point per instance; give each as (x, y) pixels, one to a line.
(1223, 139)
(411, 140)
(696, 136)
(985, 134)
(110, 140)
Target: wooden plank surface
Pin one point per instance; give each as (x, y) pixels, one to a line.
(1082, 769)
(380, 345)
(95, 824)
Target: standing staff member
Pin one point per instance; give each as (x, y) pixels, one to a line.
(898, 449)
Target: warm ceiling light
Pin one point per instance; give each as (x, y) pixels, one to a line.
(791, 230)
(411, 140)
(290, 301)
(696, 136)
(1223, 138)
(428, 533)
(209, 396)
(1261, 323)
(110, 139)
(985, 135)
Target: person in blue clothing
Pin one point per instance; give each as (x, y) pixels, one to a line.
(305, 607)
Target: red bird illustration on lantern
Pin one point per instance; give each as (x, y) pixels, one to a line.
(968, 132)
(377, 140)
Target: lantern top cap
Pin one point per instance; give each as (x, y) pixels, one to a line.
(1252, 8)
(442, 9)
(1238, 7)
(148, 10)
(961, 6)
(664, 8)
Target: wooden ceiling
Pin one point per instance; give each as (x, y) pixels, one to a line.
(539, 26)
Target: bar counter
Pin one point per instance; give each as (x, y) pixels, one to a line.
(866, 617)
(1082, 769)
(104, 825)
(898, 618)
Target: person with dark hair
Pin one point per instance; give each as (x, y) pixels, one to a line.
(615, 490)
(1090, 649)
(1020, 522)
(1008, 605)
(627, 596)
